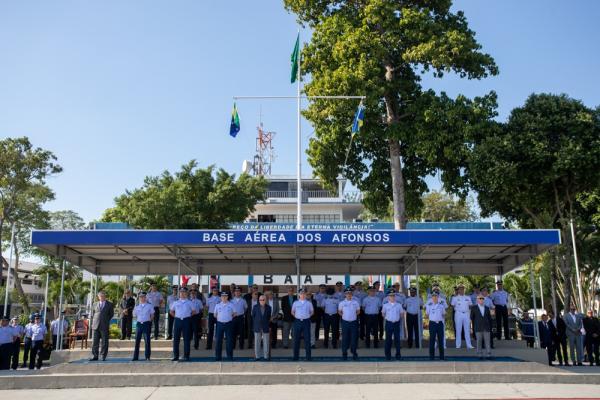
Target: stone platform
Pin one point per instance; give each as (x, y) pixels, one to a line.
(513, 363)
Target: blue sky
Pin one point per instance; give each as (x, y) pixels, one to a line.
(123, 89)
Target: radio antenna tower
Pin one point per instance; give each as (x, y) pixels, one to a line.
(265, 153)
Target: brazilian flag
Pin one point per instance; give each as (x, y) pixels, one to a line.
(234, 128)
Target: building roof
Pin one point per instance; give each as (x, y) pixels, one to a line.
(240, 252)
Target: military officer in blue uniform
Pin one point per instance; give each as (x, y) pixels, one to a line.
(224, 314)
(37, 332)
(172, 298)
(7, 340)
(413, 305)
(371, 305)
(182, 310)
(381, 296)
(436, 311)
(27, 342)
(155, 298)
(339, 291)
(302, 310)
(392, 313)
(349, 309)
(195, 327)
(500, 299)
(239, 306)
(213, 299)
(19, 331)
(331, 319)
(144, 315)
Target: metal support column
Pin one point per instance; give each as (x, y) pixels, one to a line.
(60, 307)
(535, 316)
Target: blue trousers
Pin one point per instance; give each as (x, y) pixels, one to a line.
(349, 337)
(142, 329)
(372, 328)
(436, 333)
(392, 329)
(181, 327)
(331, 322)
(224, 329)
(301, 328)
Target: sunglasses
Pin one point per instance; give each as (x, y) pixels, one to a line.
(480, 298)
(262, 300)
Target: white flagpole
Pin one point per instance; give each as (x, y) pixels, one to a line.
(299, 153)
(12, 245)
(577, 267)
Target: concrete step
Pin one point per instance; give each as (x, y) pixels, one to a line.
(163, 373)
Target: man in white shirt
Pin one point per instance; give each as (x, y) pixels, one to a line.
(462, 321)
(349, 309)
(302, 310)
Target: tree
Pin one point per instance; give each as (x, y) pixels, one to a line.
(439, 206)
(23, 190)
(536, 167)
(193, 198)
(381, 49)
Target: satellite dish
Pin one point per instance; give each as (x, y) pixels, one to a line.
(246, 167)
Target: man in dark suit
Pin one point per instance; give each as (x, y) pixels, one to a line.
(261, 317)
(546, 334)
(482, 326)
(559, 338)
(251, 299)
(127, 306)
(288, 318)
(103, 312)
(591, 325)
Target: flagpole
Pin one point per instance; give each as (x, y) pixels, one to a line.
(299, 154)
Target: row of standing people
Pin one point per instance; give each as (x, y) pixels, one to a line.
(12, 334)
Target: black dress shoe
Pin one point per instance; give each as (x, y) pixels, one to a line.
(93, 359)
(170, 338)
(355, 357)
(175, 359)
(134, 359)
(147, 358)
(579, 364)
(103, 358)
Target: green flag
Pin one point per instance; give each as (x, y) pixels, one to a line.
(295, 55)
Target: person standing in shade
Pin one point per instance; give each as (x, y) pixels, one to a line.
(500, 299)
(103, 312)
(482, 325)
(574, 324)
(27, 342)
(413, 305)
(38, 332)
(546, 333)
(313, 319)
(144, 315)
(302, 310)
(381, 296)
(436, 312)
(591, 325)
(339, 291)
(288, 319)
(155, 298)
(261, 317)
(127, 305)
(559, 337)
(319, 297)
(18, 331)
(7, 340)
(195, 321)
(462, 321)
(489, 303)
(274, 304)
(371, 306)
(224, 314)
(359, 295)
(349, 310)
(212, 301)
(331, 319)
(392, 313)
(239, 306)
(172, 298)
(55, 329)
(251, 299)
(182, 311)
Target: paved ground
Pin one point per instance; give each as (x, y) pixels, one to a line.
(346, 392)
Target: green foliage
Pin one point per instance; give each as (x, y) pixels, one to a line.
(114, 332)
(442, 207)
(193, 198)
(381, 49)
(542, 169)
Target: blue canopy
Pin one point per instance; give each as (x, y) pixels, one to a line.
(234, 252)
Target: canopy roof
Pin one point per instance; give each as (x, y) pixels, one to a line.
(239, 252)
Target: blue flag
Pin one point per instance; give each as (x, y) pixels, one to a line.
(234, 128)
(358, 118)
